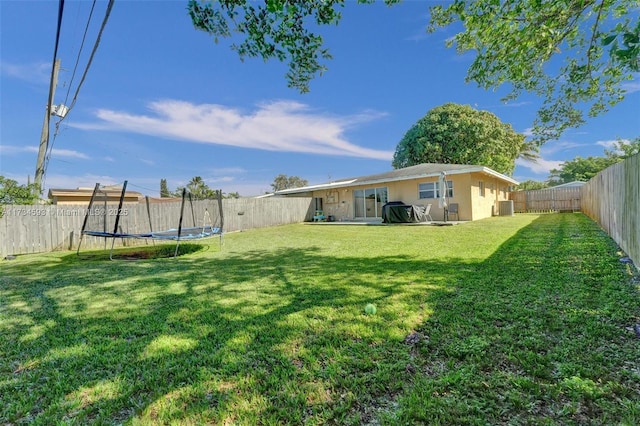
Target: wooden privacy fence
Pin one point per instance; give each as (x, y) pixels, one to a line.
(43, 228)
(612, 199)
(547, 200)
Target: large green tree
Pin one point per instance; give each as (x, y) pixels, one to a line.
(274, 29)
(198, 188)
(459, 134)
(580, 169)
(164, 189)
(281, 182)
(11, 192)
(583, 169)
(624, 149)
(231, 195)
(572, 53)
(529, 185)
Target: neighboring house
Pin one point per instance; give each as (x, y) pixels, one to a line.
(83, 195)
(476, 189)
(574, 184)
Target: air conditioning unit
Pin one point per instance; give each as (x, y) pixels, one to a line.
(506, 208)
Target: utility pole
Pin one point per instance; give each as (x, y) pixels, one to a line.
(44, 137)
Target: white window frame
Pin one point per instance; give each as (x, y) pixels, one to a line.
(427, 188)
(434, 190)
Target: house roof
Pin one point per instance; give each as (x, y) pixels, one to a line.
(424, 170)
(575, 183)
(86, 192)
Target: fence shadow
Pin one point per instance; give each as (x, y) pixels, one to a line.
(538, 329)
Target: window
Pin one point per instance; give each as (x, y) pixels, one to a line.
(481, 188)
(450, 189)
(428, 190)
(368, 202)
(317, 203)
(432, 190)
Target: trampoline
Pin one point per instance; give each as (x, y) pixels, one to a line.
(103, 220)
(170, 234)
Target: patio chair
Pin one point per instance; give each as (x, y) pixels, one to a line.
(453, 209)
(319, 216)
(426, 213)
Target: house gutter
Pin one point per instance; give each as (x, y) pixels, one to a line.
(356, 182)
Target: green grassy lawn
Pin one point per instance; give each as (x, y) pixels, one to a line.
(516, 320)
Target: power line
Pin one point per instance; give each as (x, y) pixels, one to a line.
(142, 187)
(75, 67)
(84, 37)
(44, 139)
(93, 52)
(84, 75)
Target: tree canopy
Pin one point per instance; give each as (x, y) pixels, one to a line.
(553, 49)
(459, 134)
(580, 169)
(274, 29)
(198, 188)
(281, 182)
(571, 53)
(528, 185)
(583, 169)
(164, 189)
(11, 192)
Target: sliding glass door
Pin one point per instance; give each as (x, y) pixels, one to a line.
(368, 202)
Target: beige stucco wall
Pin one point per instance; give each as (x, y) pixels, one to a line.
(338, 202)
(495, 190)
(84, 200)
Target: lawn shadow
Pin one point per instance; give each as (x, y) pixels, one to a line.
(538, 331)
(278, 334)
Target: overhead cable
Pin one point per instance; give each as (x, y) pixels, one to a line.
(84, 37)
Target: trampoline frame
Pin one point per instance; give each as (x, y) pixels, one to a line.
(178, 234)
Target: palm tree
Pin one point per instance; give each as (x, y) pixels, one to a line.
(529, 151)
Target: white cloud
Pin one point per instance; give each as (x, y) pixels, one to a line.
(82, 181)
(558, 146)
(228, 170)
(612, 145)
(39, 73)
(148, 185)
(55, 152)
(539, 167)
(515, 105)
(275, 126)
(219, 179)
(13, 149)
(633, 85)
(607, 144)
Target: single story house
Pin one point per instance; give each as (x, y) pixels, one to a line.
(83, 195)
(477, 190)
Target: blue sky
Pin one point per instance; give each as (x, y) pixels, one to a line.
(162, 100)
